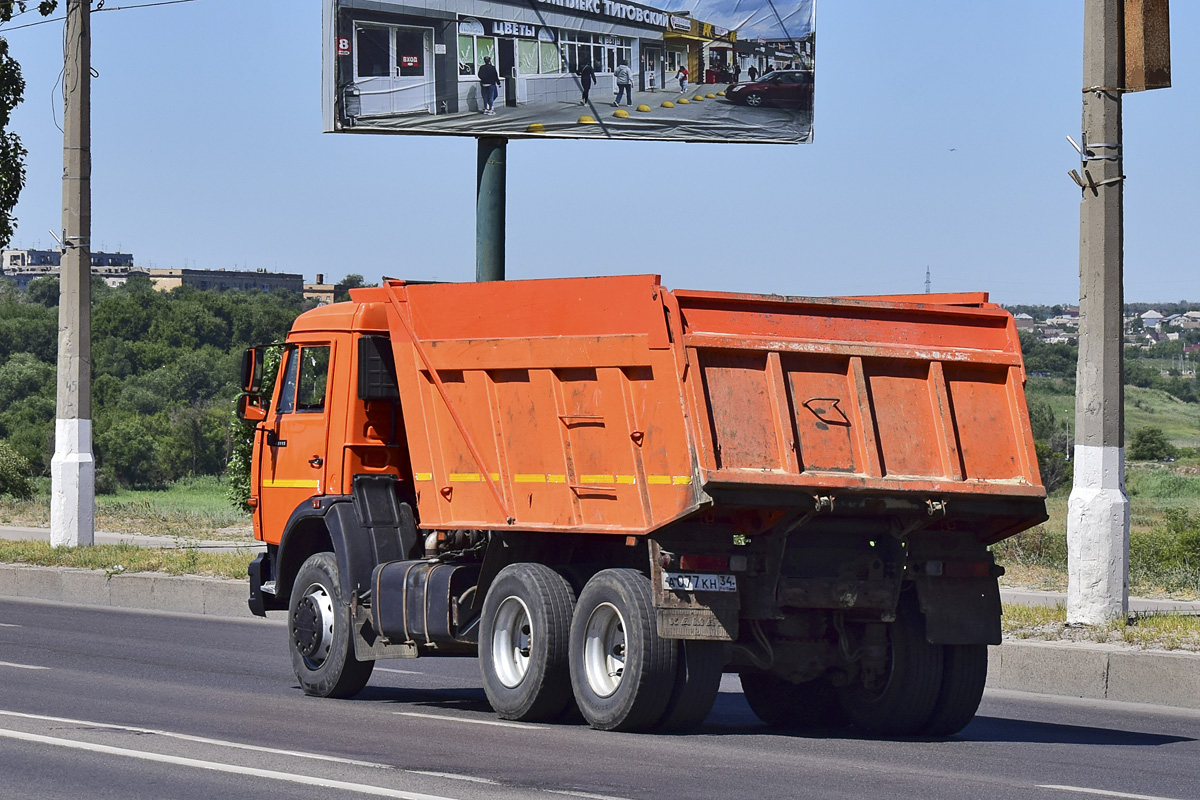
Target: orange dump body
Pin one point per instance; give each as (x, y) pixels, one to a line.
(613, 405)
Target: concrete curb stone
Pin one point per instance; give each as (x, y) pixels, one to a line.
(1094, 671)
(151, 591)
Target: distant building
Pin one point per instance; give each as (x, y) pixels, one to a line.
(25, 266)
(1024, 321)
(221, 280)
(1151, 319)
(320, 291)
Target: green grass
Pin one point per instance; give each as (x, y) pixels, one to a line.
(116, 559)
(1164, 538)
(1167, 631)
(190, 509)
(1180, 421)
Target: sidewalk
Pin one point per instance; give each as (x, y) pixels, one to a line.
(1032, 597)
(103, 537)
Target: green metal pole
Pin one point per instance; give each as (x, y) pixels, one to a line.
(489, 209)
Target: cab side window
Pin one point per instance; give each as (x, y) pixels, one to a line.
(305, 380)
(312, 379)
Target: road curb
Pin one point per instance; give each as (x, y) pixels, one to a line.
(1093, 671)
(141, 590)
(1097, 672)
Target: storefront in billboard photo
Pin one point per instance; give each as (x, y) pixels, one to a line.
(423, 66)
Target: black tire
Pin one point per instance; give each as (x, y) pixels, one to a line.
(903, 699)
(319, 633)
(697, 681)
(523, 637)
(754, 99)
(622, 673)
(964, 673)
(810, 706)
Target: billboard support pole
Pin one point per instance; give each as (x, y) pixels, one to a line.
(1098, 511)
(489, 208)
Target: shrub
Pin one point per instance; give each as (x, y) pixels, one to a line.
(14, 473)
(1150, 444)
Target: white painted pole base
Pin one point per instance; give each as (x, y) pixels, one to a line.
(1097, 537)
(72, 485)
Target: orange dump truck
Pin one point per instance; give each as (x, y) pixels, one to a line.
(612, 493)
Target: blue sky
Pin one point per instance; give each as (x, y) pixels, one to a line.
(940, 142)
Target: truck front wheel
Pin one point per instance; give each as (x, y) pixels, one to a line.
(524, 630)
(319, 633)
(622, 672)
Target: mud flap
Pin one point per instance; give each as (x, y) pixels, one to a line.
(960, 610)
(711, 616)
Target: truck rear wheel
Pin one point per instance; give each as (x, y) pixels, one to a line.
(782, 704)
(901, 701)
(524, 631)
(622, 672)
(964, 673)
(697, 681)
(319, 632)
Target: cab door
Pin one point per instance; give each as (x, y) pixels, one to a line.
(295, 447)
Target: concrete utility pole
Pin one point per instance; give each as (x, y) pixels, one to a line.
(490, 190)
(73, 470)
(1098, 510)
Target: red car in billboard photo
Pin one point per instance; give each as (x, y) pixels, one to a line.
(783, 88)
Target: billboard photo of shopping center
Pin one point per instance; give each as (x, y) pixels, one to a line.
(677, 70)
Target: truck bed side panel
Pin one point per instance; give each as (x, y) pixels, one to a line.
(857, 395)
(511, 426)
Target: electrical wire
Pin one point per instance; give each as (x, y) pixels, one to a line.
(97, 10)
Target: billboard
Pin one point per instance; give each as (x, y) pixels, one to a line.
(676, 70)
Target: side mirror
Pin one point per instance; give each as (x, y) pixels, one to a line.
(252, 370)
(250, 408)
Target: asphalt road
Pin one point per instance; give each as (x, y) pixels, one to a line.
(111, 703)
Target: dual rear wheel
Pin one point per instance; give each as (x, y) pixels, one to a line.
(541, 648)
(925, 690)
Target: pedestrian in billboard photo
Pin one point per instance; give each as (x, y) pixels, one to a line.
(489, 85)
(624, 77)
(587, 76)
(752, 72)
(682, 75)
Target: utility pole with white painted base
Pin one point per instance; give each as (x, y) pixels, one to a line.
(73, 469)
(1098, 510)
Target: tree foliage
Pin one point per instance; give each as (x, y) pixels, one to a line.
(164, 376)
(12, 91)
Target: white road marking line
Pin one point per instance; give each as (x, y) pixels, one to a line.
(8, 625)
(453, 776)
(495, 722)
(398, 671)
(20, 666)
(198, 739)
(306, 780)
(589, 795)
(1103, 792)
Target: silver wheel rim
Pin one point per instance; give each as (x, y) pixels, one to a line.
(604, 649)
(753, 100)
(512, 637)
(323, 606)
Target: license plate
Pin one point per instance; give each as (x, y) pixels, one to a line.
(698, 582)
